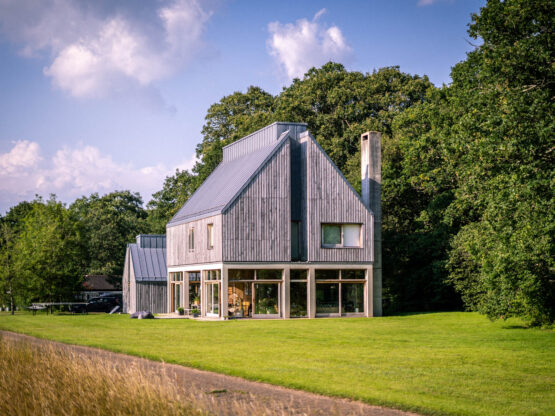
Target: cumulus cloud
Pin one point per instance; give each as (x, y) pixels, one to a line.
(96, 51)
(304, 44)
(73, 172)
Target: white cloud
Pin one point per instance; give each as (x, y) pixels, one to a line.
(73, 172)
(95, 53)
(304, 44)
(23, 155)
(430, 2)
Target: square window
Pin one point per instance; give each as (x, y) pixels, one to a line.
(331, 234)
(351, 235)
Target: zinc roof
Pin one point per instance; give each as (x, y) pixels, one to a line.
(224, 183)
(149, 264)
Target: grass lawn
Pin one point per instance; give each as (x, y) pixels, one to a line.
(440, 363)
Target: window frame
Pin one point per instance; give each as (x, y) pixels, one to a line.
(210, 236)
(192, 239)
(342, 243)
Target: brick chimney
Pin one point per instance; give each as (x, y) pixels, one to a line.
(371, 169)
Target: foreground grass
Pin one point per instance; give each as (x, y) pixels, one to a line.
(443, 363)
(49, 381)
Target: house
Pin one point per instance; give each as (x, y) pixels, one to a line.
(276, 231)
(145, 275)
(97, 285)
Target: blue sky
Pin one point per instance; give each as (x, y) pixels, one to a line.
(104, 95)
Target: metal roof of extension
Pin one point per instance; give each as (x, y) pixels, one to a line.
(149, 264)
(225, 183)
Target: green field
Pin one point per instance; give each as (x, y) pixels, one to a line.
(440, 363)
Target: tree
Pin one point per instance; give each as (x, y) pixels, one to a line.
(165, 203)
(505, 91)
(48, 253)
(481, 156)
(233, 117)
(11, 226)
(109, 223)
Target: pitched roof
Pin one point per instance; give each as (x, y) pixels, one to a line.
(100, 282)
(241, 161)
(149, 264)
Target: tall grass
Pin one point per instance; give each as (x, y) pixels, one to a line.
(47, 380)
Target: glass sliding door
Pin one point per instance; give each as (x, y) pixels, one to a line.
(327, 298)
(239, 304)
(213, 299)
(298, 299)
(352, 298)
(266, 300)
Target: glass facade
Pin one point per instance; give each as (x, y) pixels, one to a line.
(327, 298)
(266, 298)
(352, 298)
(327, 274)
(271, 274)
(213, 299)
(298, 299)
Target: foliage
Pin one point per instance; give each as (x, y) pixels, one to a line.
(442, 363)
(11, 226)
(165, 203)
(109, 223)
(48, 253)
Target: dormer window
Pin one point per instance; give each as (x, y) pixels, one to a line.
(341, 235)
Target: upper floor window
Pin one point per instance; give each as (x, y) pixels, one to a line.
(341, 235)
(191, 239)
(210, 236)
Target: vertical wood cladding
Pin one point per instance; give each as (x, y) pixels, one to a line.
(178, 251)
(151, 296)
(256, 227)
(331, 200)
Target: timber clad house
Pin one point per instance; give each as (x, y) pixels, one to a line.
(276, 231)
(144, 278)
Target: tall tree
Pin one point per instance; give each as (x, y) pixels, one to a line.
(110, 222)
(482, 155)
(48, 253)
(11, 283)
(505, 89)
(166, 202)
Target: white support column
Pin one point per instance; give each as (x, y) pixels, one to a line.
(285, 294)
(202, 294)
(186, 304)
(311, 288)
(224, 294)
(369, 293)
(169, 291)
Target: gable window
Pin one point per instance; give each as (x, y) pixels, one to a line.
(341, 235)
(210, 232)
(191, 239)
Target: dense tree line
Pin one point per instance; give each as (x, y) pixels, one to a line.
(467, 175)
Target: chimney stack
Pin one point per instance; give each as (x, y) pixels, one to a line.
(371, 169)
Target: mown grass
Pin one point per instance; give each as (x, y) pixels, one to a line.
(441, 363)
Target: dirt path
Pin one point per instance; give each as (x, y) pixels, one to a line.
(228, 390)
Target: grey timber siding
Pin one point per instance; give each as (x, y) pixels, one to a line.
(330, 199)
(178, 251)
(125, 281)
(151, 296)
(256, 227)
(151, 241)
(261, 138)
